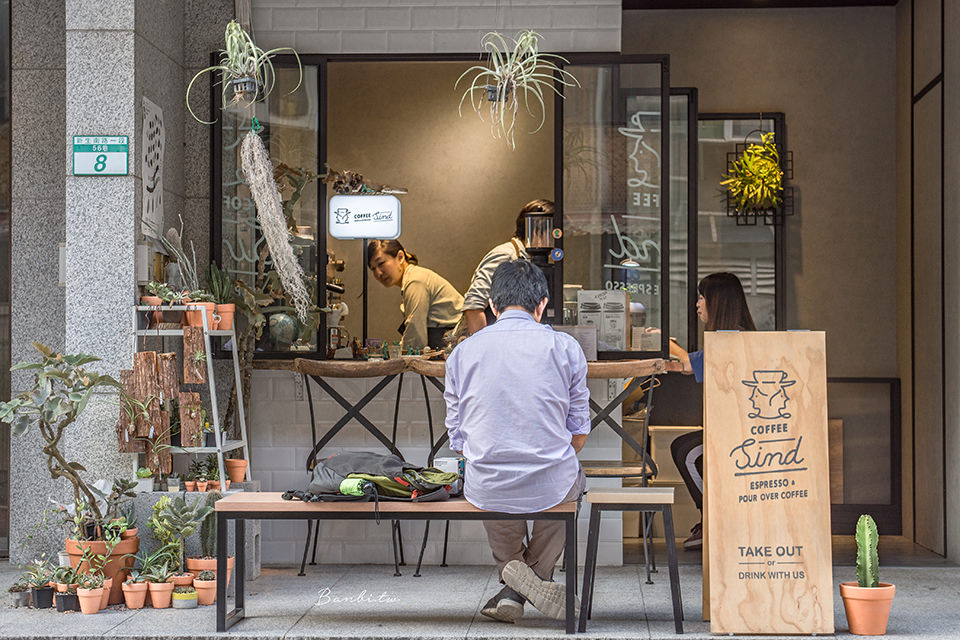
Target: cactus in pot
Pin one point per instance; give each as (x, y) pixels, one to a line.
(867, 601)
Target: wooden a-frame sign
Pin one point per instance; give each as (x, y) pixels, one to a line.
(768, 483)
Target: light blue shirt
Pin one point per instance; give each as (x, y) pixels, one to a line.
(516, 393)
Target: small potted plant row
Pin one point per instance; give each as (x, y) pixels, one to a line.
(217, 304)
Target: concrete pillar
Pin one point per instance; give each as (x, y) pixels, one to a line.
(37, 229)
(101, 216)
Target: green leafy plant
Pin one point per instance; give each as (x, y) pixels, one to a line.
(244, 68)
(182, 520)
(198, 358)
(868, 563)
(62, 386)
(159, 289)
(144, 472)
(90, 581)
(158, 573)
(38, 572)
(754, 181)
(145, 562)
(510, 71)
(220, 284)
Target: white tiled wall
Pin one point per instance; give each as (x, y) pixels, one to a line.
(432, 26)
(279, 430)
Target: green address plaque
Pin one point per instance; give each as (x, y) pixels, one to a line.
(101, 155)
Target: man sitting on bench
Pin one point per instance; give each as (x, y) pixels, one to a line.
(517, 408)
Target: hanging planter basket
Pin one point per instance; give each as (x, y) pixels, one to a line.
(754, 182)
(513, 73)
(246, 90)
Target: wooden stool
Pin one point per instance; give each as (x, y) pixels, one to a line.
(630, 499)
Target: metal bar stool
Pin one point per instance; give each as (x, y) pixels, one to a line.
(643, 499)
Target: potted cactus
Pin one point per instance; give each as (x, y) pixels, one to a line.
(206, 585)
(867, 601)
(184, 598)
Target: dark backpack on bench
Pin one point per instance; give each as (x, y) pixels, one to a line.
(386, 475)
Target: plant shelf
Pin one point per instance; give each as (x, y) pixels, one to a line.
(229, 445)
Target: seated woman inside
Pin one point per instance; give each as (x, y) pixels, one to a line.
(721, 306)
(430, 305)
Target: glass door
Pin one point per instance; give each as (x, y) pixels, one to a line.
(611, 205)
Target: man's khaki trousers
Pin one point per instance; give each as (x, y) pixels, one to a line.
(546, 542)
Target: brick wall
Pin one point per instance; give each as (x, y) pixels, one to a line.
(432, 26)
(280, 442)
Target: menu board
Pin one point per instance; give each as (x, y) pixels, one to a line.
(767, 482)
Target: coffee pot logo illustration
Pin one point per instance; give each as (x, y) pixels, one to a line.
(769, 395)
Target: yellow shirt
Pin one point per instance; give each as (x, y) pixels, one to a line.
(428, 301)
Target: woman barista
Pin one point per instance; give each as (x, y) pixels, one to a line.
(430, 305)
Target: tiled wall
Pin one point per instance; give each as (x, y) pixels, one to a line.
(281, 440)
(432, 26)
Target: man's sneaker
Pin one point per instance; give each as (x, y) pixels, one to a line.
(695, 541)
(550, 598)
(506, 606)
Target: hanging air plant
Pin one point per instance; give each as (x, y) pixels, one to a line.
(246, 70)
(754, 180)
(512, 73)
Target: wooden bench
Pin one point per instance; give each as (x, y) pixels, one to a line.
(270, 506)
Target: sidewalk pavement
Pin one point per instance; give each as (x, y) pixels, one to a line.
(367, 602)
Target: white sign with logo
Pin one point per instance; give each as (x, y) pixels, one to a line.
(370, 216)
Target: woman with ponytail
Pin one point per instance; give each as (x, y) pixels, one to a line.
(430, 305)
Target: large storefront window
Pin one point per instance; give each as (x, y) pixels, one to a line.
(290, 124)
(613, 203)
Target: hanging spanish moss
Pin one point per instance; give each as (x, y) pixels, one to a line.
(259, 172)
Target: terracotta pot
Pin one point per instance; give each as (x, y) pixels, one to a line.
(195, 318)
(115, 567)
(236, 469)
(213, 485)
(190, 485)
(868, 608)
(105, 596)
(196, 565)
(226, 484)
(184, 580)
(129, 533)
(201, 485)
(157, 316)
(90, 599)
(206, 591)
(160, 593)
(225, 311)
(134, 594)
(61, 587)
